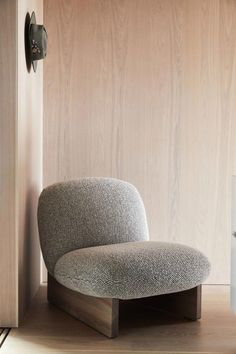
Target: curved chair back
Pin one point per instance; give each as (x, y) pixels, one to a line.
(88, 212)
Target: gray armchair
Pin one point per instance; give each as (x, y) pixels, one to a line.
(95, 243)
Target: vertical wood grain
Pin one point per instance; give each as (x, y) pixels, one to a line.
(8, 246)
(145, 90)
(20, 163)
(29, 161)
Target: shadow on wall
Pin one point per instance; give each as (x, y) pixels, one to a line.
(27, 47)
(29, 242)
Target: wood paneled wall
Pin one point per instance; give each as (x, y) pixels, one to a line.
(29, 160)
(20, 163)
(8, 108)
(145, 90)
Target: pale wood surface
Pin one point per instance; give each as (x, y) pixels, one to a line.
(102, 314)
(29, 160)
(20, 163)
(49, 330)
(3, 335)
(144, 90)
(8, 104)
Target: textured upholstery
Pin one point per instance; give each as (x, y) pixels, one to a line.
(132, 270)
(94, 239)
(88, 212)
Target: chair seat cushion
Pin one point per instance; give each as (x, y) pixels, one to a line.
(132, 270)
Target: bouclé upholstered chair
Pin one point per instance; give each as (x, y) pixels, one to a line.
(95, 243)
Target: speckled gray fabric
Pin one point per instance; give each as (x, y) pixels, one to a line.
(132, 270)
(88, 212)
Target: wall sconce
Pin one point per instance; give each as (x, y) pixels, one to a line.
(36, 40)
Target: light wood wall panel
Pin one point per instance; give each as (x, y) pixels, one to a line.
(145, 90)
(20, 163)
(8, 247)
(29, 161)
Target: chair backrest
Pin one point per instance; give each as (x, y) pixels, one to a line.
(88, 212)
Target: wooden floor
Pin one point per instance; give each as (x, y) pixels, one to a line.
(48, 330)
(3, 335)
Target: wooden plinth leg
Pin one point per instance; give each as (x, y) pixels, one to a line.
(186, 304)
(99, 313)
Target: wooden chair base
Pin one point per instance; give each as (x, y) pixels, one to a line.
(102, 314)
(99, 313)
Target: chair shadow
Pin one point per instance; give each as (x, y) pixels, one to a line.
(135, 316)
